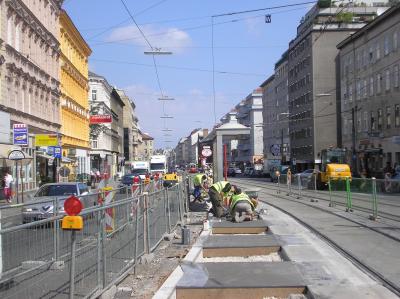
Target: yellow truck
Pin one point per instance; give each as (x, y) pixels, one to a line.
(334, 166)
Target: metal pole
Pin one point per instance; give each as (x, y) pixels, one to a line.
(348, 193)
(56, 228)
(169, 212)
(137, 232)
(22, 185)
(374, 201)
(72, 269)
(225, 164)
(147, 199)
(299, 185)
(331, 203)
(16, 172)
(103, 241)
(279, 185)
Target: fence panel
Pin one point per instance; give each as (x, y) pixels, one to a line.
(157, 218)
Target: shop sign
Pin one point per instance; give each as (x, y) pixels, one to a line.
(46, 140)
(16, 155)
(54, 151)
(20, 134)
(100, 119)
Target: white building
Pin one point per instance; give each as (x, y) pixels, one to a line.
(106, 139)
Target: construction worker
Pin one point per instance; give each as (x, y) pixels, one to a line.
(199, 183)
(241, 207)
(217, 192)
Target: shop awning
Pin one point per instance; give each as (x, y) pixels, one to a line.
(4, 151)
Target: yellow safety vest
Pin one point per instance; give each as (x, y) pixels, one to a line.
(240, 197)
(197, 179)
(218, 186)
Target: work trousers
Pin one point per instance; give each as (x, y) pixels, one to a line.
(216, 201)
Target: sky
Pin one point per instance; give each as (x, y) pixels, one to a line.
(245, 51)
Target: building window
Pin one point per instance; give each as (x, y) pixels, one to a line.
(94, 143)
(371, 86)
(365, 88)
(380, 120)
(396, 76)
(388, 117)
(372, 120)
(94, 95)
(345, 126)
(358, 91)
(350, 89)
(395, 40)
(9, 30)
(386, 45)
(378, 51)
(359, 122)
(397, 115)
(371, 54)
(378, 83)
(387, 80)
(365, 121)
(17, 42)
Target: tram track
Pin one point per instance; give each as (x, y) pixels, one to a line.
(357, 261)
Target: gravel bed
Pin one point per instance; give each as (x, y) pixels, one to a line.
(273, 257)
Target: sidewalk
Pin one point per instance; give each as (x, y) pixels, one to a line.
(377, 252)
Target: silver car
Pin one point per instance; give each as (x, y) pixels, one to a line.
(41, 205)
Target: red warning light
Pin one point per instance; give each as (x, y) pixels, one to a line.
(73, 206)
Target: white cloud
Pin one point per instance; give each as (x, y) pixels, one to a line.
(172, 38)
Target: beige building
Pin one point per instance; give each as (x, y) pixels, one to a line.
(30, 87)
(145, 150)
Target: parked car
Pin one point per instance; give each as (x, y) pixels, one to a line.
(41, 205)
(247, 170)
(127, 180)
(238, 171)
(231, 172)
(142, 173)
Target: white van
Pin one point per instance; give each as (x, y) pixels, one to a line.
(140, 168)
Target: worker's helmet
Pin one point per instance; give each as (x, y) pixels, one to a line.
(227, 187)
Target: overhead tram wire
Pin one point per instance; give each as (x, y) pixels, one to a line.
(195, 27)
(152, 48)
(123, 22)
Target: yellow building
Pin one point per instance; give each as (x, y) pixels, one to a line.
(74, 97)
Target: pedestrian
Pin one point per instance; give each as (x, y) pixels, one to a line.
(217, 192)
(8, 179)
(199, 183)
(241, 207)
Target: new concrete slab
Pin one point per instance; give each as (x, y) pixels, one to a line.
(240, 275)
(221, 241)
(246, 227)
(240, 245)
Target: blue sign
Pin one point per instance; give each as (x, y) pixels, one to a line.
(20, 134)
(54, 151)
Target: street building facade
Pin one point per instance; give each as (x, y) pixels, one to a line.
(147, 146)
(30, 83)
(250, 114)
(370, 94)
(106, 152)
(312, 63)
(74, 98)
(130, 122)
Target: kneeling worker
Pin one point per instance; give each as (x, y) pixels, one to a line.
(217, 192)
(199, 181)
(241, 206)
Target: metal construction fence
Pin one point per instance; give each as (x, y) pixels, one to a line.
(376, 197)
(35, 253)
